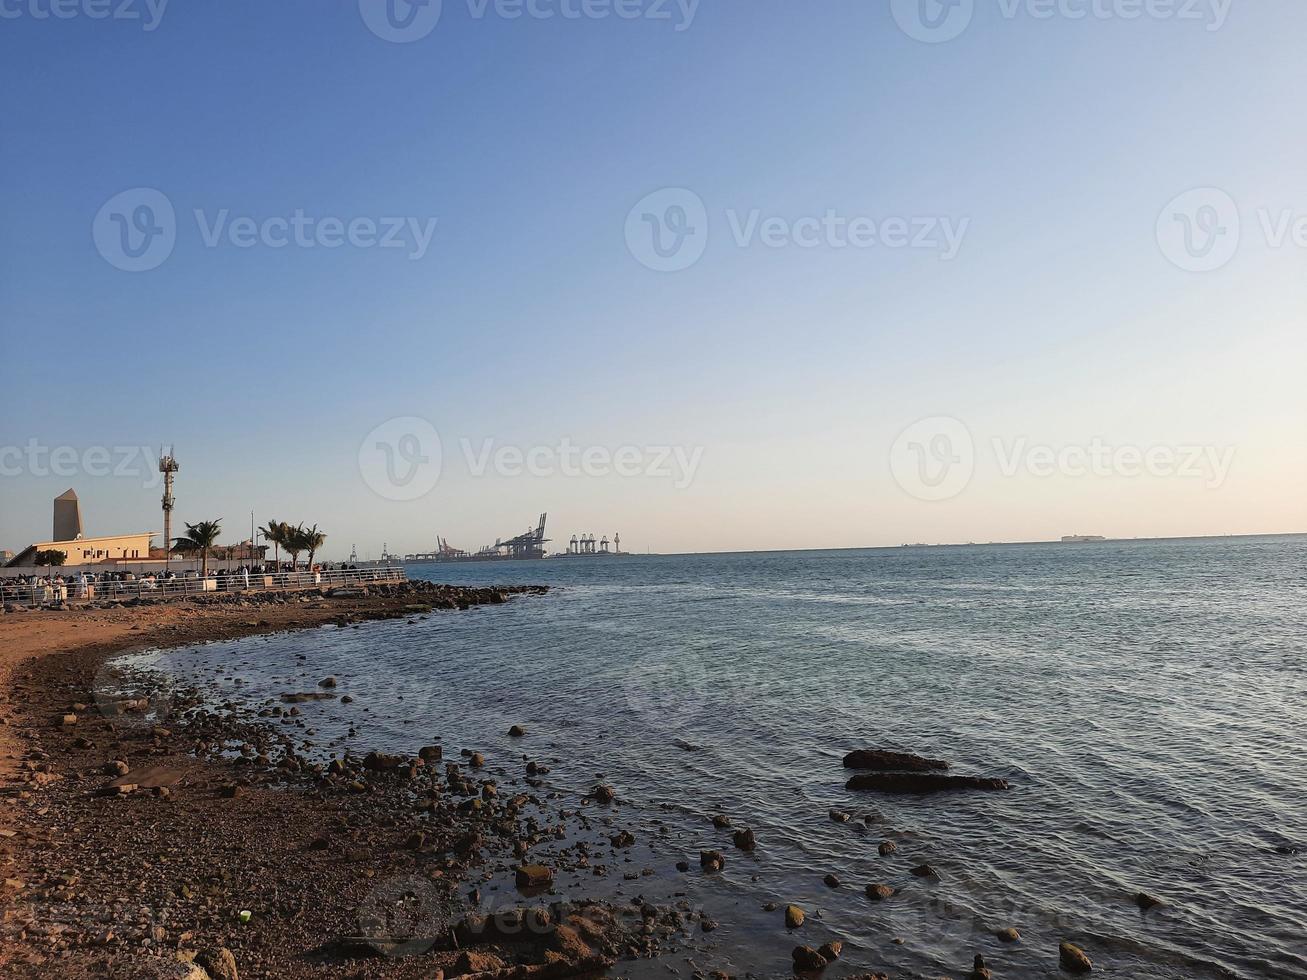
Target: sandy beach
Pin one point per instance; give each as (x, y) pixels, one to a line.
(205, 846)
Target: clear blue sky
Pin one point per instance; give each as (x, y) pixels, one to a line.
(528, 320)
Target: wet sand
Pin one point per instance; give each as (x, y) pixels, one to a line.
(134, 839)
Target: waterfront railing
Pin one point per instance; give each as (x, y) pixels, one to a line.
(49, 591)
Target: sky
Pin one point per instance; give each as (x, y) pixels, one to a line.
(716, 276)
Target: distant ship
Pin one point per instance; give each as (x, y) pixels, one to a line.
(1081, 538)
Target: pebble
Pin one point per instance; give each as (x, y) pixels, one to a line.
(793, 917)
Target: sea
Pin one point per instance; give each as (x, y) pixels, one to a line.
(1145, 700)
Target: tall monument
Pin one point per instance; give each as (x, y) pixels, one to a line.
(67, 517)
(167, 466)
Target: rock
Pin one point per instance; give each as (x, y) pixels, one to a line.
(978, 969)
(744, 839)
(878, 892)
(218, 963)
(806, 959)
(602, 794)
(431, 753)
(517, 731)
(231, 791)
(327, 682)
(1073, 958)
(415, 841)
(925, 871)
(380, 762)
(839, 816)
(882, 761)
(831, 881)
(721, 821)
(682, 865)
(534, 876)
(1146, 901)
(472, 962)
(887, 847)
(116, 768)
(913, 782)
(1008, 935)
(793, 917)
(68, 721)
(831, 950)
(622, 839)
(711, 860)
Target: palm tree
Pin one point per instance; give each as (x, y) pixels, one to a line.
(313, 541)
(275, 532)
(201, 537)
(294, 542)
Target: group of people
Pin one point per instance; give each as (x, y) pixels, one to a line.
(61, 585)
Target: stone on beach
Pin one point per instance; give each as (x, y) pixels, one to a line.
(745, 840)
(602, 794)
(1008, 935)
(884, 761)
(794, 917)
(830, 881)
(218, 963)
(327, 682)
(517, 731)
(721, 821)
(887, 847)
(879, 892)
(1073, 958)
(979, 971)
(534, 876)
(831, 950)
(905, 782)
(1146, 901)
(712, 860)
(808, 960)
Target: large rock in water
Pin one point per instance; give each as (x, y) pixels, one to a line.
(920, 782)
(882, 761)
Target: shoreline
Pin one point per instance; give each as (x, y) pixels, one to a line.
(338, 867)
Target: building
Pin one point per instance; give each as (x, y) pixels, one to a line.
(80, 550)
(90, 551)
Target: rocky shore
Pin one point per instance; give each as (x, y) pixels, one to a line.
(145, 833)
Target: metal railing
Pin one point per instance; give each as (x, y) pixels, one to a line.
(51, 591)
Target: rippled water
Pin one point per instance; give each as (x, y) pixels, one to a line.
(1146, 700)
